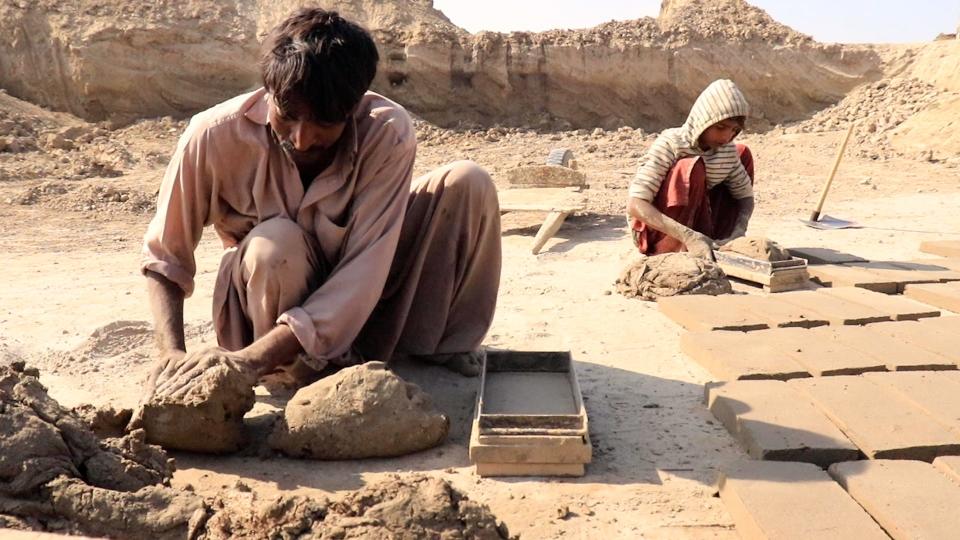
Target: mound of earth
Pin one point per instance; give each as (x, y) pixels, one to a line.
(362, 411)
(207, 417)
(671, 274)
(757, 247)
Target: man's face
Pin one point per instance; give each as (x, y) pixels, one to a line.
(719, 134)
(298, 133)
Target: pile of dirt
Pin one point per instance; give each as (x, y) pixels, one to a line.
(724, 20)
(671, 274)
(876, 109)
(757, 247)
(207, 417)
(90, 198)
(362, 411)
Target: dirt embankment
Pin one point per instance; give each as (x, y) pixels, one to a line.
(102, 59)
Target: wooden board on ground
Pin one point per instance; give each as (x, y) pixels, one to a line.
(880, 422)
(944, 248)
(837, 275)
(730, 356)
(895, 354)
(819, 255)
(557, 202)
(773, 422)
(703, 313)
(774, 276)
(932, 337)
(823, 357)
(909, 499)
(936, 392)
(942, 295)
(529, 418)
(899, 308)
(838, 311)
(786, 501)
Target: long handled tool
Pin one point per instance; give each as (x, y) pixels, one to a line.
(826, 222)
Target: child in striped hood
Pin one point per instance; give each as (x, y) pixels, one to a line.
(694, 187)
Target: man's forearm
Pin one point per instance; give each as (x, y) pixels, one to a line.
(745, 213)
(166, 303)
(647, 213)
(278, 346)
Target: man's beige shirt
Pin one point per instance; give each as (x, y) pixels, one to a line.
(229, 171)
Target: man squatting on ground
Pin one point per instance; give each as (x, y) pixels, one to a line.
(676, 199)
(332, 255)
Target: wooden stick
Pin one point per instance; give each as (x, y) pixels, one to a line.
(815, 216)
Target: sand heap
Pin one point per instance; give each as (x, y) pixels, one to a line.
(57, 475)
(671, 274)
(362, 411)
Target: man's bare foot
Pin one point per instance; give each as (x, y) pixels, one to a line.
(467, 364)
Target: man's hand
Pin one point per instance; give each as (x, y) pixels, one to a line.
(161, 371)
(699, 245)
(179, 378)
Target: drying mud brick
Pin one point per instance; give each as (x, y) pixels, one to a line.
(837, 275)
(949, 263)
(704, 313)
(942, 295)
(823, 357)
(902, 276)
(362, 411)
(773, 422)
(900, 308)
(949, 466)
(927, 334)
(768, 309)
(878, 420)
(208, 417)
(895, 354)
(786, 501)
(730, 356)
(936, 392)
(836, 310)
(909, 499)
(950, 324)
(816, 255)
(944, 248)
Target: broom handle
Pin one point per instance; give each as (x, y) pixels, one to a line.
(815, 216)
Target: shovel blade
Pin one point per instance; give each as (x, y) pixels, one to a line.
(830, 223)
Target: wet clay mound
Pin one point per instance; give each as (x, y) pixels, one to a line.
(757, 247)
(671, 274)
(98, 60)
(41, 440)
(362, 411)
(207, 418)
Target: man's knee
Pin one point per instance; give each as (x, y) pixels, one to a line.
(275, 244)
(468, 179)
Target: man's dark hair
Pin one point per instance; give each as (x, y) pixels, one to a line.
(319, 59)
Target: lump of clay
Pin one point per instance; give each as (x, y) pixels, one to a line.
(671, 274)
(362, 411)
(757, 247)
(207, 418)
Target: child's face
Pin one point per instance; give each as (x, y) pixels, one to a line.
(719, 134)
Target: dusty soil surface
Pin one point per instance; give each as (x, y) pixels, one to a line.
(75, 198)
(360, 412)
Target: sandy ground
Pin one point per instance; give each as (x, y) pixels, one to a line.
(73, 304)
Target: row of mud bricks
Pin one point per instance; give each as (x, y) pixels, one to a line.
(846, 399)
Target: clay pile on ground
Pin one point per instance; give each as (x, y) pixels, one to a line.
(362, 411)
(724, 20)
(757, 247)
(671, 274)
(876, 109)
(207, 417)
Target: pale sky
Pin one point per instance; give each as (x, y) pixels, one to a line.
(843, 21)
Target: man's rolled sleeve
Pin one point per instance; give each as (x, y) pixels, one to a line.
(739, 184)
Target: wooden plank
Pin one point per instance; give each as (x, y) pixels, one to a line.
(835, 275)
(936, 392)
(771, 421)
(944, 248)
(565, 200)
(895, 354)
(819, 255)
(909, 499)
(879, 421)
(942, 295)
(529, 469)
(702, 313)
(823, 357)
(791, 501)
(899, 308)
(926, 336)
(835, 310)
(728, 356)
